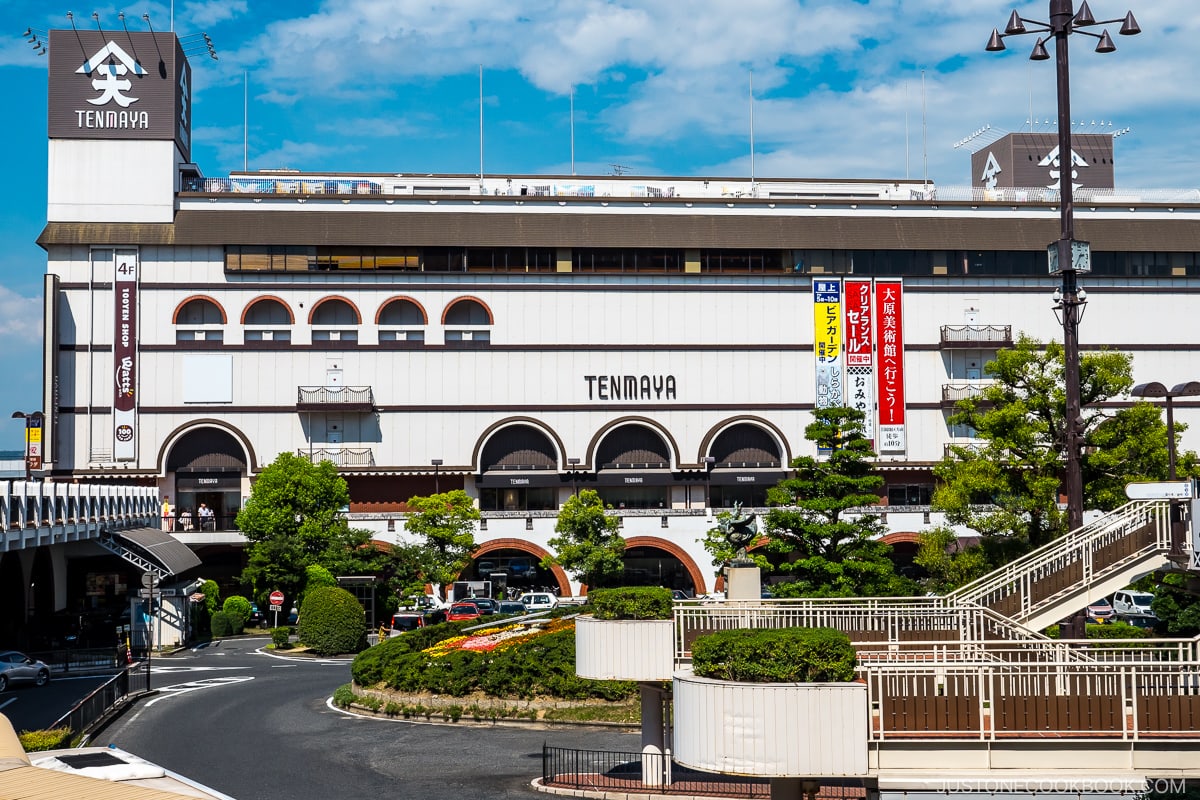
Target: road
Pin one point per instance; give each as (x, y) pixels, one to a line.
(257, 726)
(32, 708)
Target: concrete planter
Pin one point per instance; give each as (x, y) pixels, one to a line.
(624, 649)
(773, 730)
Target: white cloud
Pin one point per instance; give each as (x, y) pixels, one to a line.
(20, 317)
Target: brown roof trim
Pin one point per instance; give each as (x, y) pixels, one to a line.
(469, 229)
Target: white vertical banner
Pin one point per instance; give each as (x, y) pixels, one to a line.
(827, 342)
(859, 330)
(125, 354)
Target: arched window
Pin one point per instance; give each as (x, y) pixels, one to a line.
(335, 320)
(401, 320)
(267, 320)
(199, 320)
(467, 323)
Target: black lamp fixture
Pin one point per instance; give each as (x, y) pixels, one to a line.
(33, 419)
(437, 466)
(573, 463)
(1156, 389)
(1068, 257)
(708, 462)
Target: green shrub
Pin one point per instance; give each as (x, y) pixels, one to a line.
(332, 622)
(630, 602)
(1116, 630)
(237, 608)
(783, 655)
(279, 638)
(221, 626)
(343, 696)
(48, 739)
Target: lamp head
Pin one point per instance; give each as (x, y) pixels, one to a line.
(1151, 389)
(1129, 27)
(1105, 45)
(1083, 16)
(995, 42)
(1039, 51)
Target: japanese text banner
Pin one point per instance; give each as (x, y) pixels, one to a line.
(889, 334)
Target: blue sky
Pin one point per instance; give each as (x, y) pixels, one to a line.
(843, 88)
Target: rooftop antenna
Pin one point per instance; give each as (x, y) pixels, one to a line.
(906, 174)
(619, 169)
(751, 130)
(572, 130)
(481, 128)
(245, 121)
(924, 134)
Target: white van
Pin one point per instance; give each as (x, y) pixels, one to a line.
(539, 601)
(1128, 601)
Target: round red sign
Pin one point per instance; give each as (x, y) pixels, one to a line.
(277, 598)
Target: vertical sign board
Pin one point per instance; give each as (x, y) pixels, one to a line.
(860, 353)
(827, 341)
(125, 365)
(889, 333)
(1195, 524)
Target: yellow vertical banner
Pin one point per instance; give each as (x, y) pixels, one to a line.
(827, 342)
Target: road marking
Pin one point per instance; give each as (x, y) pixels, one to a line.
(9, 700)
(157, 670)
(167, 692)
(284, 666)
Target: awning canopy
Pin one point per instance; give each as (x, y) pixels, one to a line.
(151, 549)
(524, 479)
(634, 477)
(746, 477)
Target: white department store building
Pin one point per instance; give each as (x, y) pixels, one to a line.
(662, 340)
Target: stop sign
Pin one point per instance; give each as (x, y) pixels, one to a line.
(276, 598)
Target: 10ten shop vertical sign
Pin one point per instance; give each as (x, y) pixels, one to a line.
(125, 285)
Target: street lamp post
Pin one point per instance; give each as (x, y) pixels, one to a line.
(437, 466)
(573, 465)
(1070, 256)
(708, 466)
(1156, 389)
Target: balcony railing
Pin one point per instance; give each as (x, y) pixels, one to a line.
(953, 392)
(340, 456)
(971, 445)
(334, 398)
(972, 337)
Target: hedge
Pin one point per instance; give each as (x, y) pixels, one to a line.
(630, 602)
(782, 655)
(47, 739)
(221, 624)
(332, 622)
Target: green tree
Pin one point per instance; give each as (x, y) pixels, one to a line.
(237, 609)
(293, 519)
(332, 622)
(1007, 487)
(445, 525)
(588, 544)
(946, 562)
(830, 552)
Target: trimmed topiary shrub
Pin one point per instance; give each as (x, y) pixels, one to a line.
(630, 602)
(279, 638)
(237, 608)
(49, 739)
(221, 626)
(332, 622)
(782, 655)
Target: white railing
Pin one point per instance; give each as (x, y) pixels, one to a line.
(49, 507)
(988, 701)
(1042, 577)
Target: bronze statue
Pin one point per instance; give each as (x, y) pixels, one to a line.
(740, 530)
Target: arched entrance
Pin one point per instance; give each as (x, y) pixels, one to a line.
(633, 467)
(656, 562)
(209, 466)
(516, 565)
(747, 460)
(905, 547)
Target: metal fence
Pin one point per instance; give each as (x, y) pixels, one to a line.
(105, 698)
(65, 660)
(600, 770)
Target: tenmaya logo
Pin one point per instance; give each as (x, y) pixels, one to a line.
(1052, 160)
(111, 81)
(991, 171)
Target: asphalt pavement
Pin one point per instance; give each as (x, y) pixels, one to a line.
(259, 726)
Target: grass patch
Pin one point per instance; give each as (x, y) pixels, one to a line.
(626, 713)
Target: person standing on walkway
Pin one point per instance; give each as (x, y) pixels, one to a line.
(168, 515)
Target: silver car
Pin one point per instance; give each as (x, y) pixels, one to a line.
(19, 668)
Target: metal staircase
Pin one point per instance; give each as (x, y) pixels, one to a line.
(1064, 576)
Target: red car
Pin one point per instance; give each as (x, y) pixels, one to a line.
(462, 611)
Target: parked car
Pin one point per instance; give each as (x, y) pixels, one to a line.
(1101, 611)
(19, 668)
(1128, 601)
(680, 594)
(486, 604)
(539, 601)
(405, 621)
(463, 611)
(512, 607)
(1144, 621)
(257, 619)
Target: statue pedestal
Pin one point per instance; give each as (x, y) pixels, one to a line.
(743, 583)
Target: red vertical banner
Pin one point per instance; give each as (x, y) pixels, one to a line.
(889, 334)
(859, 330)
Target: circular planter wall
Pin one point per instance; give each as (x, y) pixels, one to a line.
(624, 649)
(771, 729)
